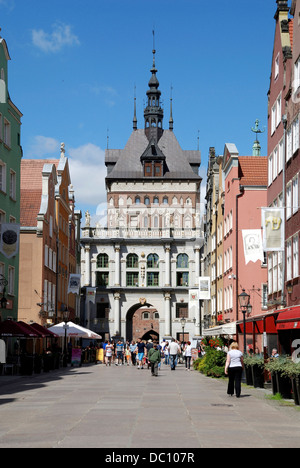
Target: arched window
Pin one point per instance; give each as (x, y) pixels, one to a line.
(156, 201)
(137, 200)
(132, 261)
(152, 261)
(147, 201)
(182, 261)
(102, 261)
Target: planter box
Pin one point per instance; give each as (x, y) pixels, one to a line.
(297, 388)
(284, 386)
(295, 391)
(248, 374)
(258, 375)
(274, 383)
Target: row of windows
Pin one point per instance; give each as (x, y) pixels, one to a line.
(276, 158)
(132, 279)
(12, 180)
(5, 131)
(155, 201)
(132, 261)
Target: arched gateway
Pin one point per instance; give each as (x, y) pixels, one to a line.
(142, 321)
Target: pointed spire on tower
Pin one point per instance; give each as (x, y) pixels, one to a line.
(171, 121)
(153, 113)
(134, 116)
(256, 150)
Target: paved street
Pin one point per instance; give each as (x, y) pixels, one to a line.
(123, 407)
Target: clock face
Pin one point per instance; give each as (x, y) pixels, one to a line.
(10, 237)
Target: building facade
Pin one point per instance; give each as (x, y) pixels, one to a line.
(143, 264)
(10, 161)
(284, 170)
(48, 246)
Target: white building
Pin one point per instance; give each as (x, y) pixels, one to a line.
(147, 258)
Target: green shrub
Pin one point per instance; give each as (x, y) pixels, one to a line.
(212, 363)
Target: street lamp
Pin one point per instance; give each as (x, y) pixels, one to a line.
(244, 300)
(183, 323)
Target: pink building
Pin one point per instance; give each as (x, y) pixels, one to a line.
(245, 188)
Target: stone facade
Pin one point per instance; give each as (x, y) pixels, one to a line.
(146, 259)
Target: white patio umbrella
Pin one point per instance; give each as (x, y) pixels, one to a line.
(74, 330)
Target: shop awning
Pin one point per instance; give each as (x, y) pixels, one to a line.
(226, 329)
(9, 328)
(289, 319)
(259, 324)
(43, 331)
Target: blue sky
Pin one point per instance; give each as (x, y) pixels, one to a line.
(75, 64)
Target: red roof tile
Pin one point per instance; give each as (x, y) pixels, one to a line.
(253, 170)
(31, 189)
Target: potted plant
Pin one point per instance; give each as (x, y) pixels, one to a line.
(292, 372)
(280, 367)
(248, 370)
(258, 371)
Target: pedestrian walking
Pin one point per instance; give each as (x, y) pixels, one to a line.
(187, 355)
(127, 355)
(119, 353)
(141, 351)
(234, 369)
(154, 359)
(174, 350)
(133, 349)
(108, 353)
(166, 354)
(149, 346)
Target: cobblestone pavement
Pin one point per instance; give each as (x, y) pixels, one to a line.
(124, 407)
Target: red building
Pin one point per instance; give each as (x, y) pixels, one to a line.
(283, 172)
(245, 189)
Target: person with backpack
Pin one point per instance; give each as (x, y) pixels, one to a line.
(154, 359)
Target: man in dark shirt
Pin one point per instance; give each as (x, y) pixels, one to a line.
(141, 351)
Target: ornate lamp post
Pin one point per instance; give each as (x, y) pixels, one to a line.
(244, 300)
(183, 323)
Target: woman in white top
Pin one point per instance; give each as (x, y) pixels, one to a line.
(188, 355)
(234, 369)
(108, 353)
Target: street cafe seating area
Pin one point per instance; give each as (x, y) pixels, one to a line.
(31, 349)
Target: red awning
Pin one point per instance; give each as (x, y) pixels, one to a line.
(31, 332)
(43, 331)
(261, 323)
(10, 328)
(289, 319)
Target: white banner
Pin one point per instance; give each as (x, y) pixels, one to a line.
(204, 288)
(74, 284)
(273, 229)
(193, 302)
(91, 295)
(253, 247)
(10, 237)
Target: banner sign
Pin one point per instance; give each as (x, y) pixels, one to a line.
(253, 247)
(204, 288)
(10, 238)
(273, 229)
(91, 295)
(74, 284)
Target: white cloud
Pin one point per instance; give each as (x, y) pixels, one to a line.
(88, 174)
(60, 37)
(87, 169)
(43, 147)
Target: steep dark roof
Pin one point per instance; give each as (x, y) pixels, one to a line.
(126, 163)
